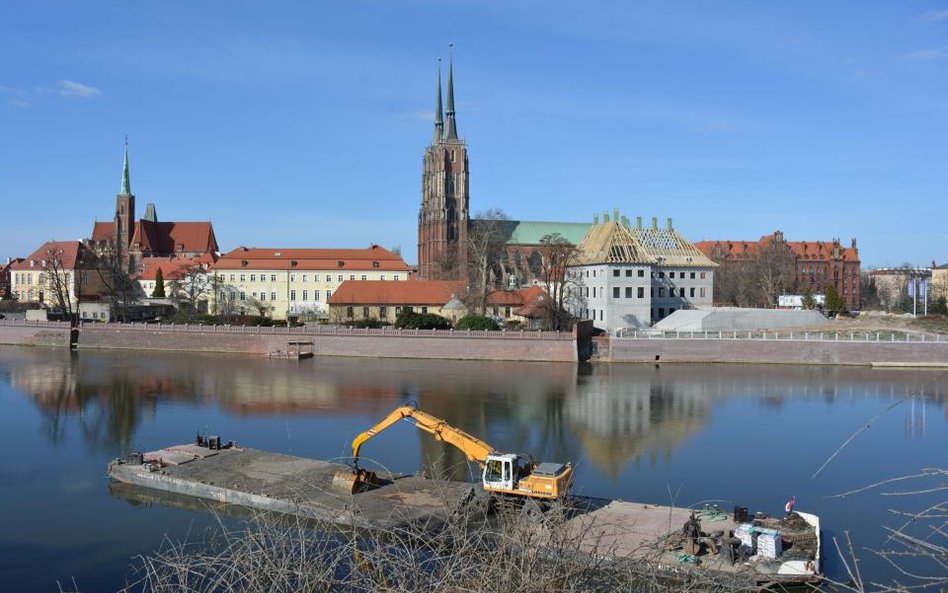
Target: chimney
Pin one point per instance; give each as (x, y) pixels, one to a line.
(655, 222)
(638, 222)
(669, 223)
(854, 242)
(595, 219)
(605, 216)
(615, 214)
(625, 221)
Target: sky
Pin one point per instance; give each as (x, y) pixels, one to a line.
(303, 124)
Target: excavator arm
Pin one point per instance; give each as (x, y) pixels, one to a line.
(474, 448)
(359, 479)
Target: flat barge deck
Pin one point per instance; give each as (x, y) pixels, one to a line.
(615, 530)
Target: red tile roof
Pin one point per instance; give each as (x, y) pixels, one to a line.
(172, 268)
(373, 258)
(384, 292)
(803, 250)
(69, 253)
(164, 237)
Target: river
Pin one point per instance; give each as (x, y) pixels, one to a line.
(733, 434)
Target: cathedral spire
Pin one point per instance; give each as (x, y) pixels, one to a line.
(451, 133)
(126, 180)
(439, 121)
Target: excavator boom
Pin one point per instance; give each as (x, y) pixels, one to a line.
(357, 480)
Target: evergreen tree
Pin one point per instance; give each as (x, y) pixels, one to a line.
(159, 292)
(808, 301)
(939, 307)
(832, 302)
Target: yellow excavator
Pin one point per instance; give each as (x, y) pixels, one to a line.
(505, 473)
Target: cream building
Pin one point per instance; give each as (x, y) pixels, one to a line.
(279, 282)
(939, 281)
(57, 266)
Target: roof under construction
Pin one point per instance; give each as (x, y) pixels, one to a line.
(617, 241)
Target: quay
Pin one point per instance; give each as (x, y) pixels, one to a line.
(615, 530)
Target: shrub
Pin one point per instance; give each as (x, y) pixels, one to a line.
(411, 320)
(476, 322)
(370, 322)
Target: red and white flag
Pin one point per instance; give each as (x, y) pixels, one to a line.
(789, 506)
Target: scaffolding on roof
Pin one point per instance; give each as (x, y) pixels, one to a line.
(669, 248)
(613, 243)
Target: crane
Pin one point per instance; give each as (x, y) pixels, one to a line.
(504, 473)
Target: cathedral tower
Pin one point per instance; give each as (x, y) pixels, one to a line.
(124, 211)
(443, 216)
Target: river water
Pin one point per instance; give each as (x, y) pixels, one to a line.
(733, 434)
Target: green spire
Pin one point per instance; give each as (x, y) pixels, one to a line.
(126, 181)
(439, 121)
(451, 133)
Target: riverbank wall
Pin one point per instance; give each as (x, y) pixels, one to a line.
(810, 348)
(335, 341)
(34, 333)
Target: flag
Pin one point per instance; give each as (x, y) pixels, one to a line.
(789, 505)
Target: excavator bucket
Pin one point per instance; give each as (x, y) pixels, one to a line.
(355, 480)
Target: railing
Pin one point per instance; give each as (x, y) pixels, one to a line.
(25, 323)
(328, 330)
(804, 336)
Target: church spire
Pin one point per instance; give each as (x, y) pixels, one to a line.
(126, 180)
(439, 121)
(451, 133)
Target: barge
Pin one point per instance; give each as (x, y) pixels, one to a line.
(675, 542)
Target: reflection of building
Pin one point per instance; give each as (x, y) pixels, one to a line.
(647, 417)
(283, 282)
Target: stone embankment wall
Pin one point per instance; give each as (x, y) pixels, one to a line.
(34, 333)
(786, 351)
(330, 341)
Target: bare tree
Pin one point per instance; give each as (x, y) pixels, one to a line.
(554, 255)
(775, 271)
(118, 285)
(191, 289)
(64, 282)
(486, 242)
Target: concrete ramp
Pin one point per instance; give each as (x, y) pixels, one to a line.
(735, 318)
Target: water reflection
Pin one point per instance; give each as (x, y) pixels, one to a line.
(611, 415)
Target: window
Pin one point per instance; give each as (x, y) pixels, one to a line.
(586, 289)
(398, 311)
(594, 292)
(702, 292)
(661, 312)
(263, 296)
(692, 275)
(383, 312)
(615, 273)
(243, 295)
(506, 311)
(600, 314)
(365, 312)
(382, 277)
(292, 277)
(396, 276)
(653, 292)
(340, 277)
(672, 310)
(292, 295)
(315, 277)
(641, 292)
(304, 280)
(242, 277)
(661, 292)
(641, 273)
(352, 277)
(305, 295)
(615, 292)
(691, 292)
(231, 277)
(273, 277)
(328, 295)
(253, 277)
(594, 273)
(702, 275)
(349, 312)
(661, 274)
(628, 292)
(424, 310)
(364, 277)
(315, 295)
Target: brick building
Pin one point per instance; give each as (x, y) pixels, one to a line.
(815, 264)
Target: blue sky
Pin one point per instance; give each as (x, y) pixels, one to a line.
(303, 123)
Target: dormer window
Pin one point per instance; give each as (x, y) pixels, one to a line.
(375, 264)
(341, 263)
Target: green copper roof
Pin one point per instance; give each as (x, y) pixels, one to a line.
(529, 232)
(126, 181)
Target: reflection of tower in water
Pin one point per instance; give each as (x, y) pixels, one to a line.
(618, 422)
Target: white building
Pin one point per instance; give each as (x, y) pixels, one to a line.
(631, 277)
